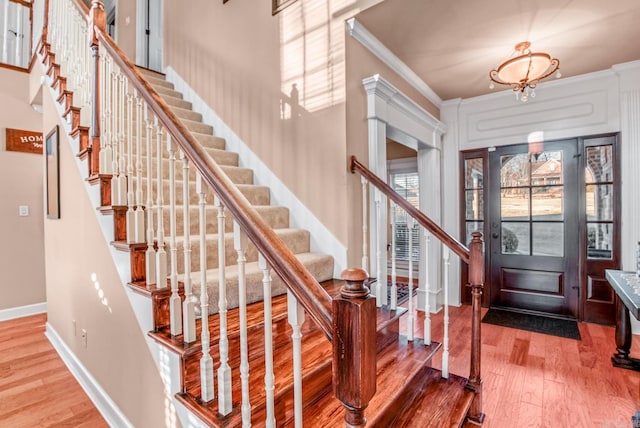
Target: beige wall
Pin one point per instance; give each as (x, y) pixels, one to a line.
(233, 62)
(22, 254)
(396, 150)
(360, 65)
(126, 27)
(117, 355)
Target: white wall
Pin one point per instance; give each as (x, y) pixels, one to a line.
(605, 101)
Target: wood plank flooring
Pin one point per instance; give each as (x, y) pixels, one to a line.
(36, 388)
(530, 379)
(536, 380)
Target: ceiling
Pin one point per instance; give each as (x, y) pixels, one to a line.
(453, 44)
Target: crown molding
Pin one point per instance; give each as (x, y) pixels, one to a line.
(375, 46)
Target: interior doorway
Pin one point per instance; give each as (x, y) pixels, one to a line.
(149, 53)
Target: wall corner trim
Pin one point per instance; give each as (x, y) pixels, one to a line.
(23, 311)
(375, 46)
(105, 405)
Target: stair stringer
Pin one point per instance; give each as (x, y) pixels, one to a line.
(322, 240)
(167, 362)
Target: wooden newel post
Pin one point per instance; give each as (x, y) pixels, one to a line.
(98, 22)
(354, 347)
(476, 282)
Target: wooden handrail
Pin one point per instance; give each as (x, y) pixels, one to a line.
(298, 279)
(424, 221)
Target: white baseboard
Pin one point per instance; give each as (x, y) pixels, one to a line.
(322, 240)
(23, 311)
(105, 405)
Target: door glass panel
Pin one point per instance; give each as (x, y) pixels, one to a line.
(473, 226)
(546, 203)
(514, 171)
(599, 202)
(548, 239)
(515, 238)
(474, 204)
(599, 240)
(473, 173)
(599, 167)
(546, 168)
(514, 203)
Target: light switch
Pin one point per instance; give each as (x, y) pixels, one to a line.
(23, 210)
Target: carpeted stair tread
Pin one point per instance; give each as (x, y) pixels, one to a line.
(319, 265)
(175, 102)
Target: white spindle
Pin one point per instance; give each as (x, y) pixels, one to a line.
(224, 371)
(445, 341)
(410, 320)
(381, 283)
(365, 221)
(150, 255)
(131, 226)
(189, 304)
(427, 290)
(5, 39)
(240, 245)
(394, 287)
(161, 254)
(296, 319)
(175, 305)
(106, 154)
(268, 343)
(121, 180)
(206, 362)
(139, 212)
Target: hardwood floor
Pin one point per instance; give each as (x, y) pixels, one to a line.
(536, 380)
(36, 388)
(530, 379)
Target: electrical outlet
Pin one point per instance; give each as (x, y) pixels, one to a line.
(75, 327)
(84, 337)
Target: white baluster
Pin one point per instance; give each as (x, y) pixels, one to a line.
(189, 304)
(411, 318)
(175, 304)
(150, 255)
(427, 290)
(131, 226)
(445, 341)
(119, 182)
(381, 285)
(161, 254)
(296, 318)
(394, 287)
(268, 343)
(106, 153)
(224, 371)
(139, 212)
(206, 362)
(365, 221)
(240, 245)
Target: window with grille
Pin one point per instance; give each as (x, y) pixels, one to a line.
(406, 184)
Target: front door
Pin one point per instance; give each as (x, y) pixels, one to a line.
(534, 227)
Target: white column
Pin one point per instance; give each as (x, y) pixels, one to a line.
(378, 230)
(224, 371)
(206, 362)
(365, 222)
(240, 245)
(296, 319)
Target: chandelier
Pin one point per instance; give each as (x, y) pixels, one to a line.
(523, 70)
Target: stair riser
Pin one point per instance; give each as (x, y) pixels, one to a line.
(236, 174)
(276, 217)
(296, 241)
(155, 81)
(168, 92)
(176, 102)
(193, 126)
(181, 113)
(208, 141)
(222, 158)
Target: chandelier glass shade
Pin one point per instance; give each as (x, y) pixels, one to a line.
(523, 70)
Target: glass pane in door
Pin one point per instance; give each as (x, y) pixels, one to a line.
(514, 171)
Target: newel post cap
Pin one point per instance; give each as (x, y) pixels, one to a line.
(354, 287)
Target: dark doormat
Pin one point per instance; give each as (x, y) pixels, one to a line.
(535, 323)
(403, 291)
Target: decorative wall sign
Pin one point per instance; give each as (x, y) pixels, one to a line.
(19, 140)
(52, 173)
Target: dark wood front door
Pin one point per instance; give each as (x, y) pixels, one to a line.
(533, 242)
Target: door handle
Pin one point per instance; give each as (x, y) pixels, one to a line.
(495, 235)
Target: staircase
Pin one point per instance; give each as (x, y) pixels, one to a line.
(158, 167)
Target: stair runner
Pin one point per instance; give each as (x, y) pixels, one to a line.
(298, 241)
